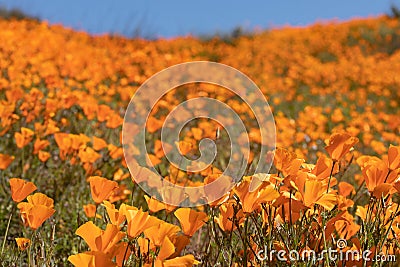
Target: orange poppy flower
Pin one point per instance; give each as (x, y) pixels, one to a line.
(98, 143)
(251, 201)
(165, 256)
(180, 242)
(114, 151)
(40, 199)
(217, 188)
(64, 144)
(184, 261)
(330, 226)
(120, 193)
(167, 249)
(100, 240)
(314, 192)
(91, 259)
(160, 149)
(143, 174)
(344, 203)
(172, 195)
(145, 246)
(101, 188)
(36, 215)
(23, 243)
(88, 155)
(51, 127)
(117, 217)
(121, 252)
(39, 145)
(78, 141)
(256, 180)
(282, 158)
(90, 211)
(364, 161)
(20, 189)
(120, 175)
(190, 220)
(114, 121)
(394, 157)
(37, 210)
(43, 156)
(24, 137)
(153, 204)
(346, 226)
(288, 163)
(340, 144)
(184, 147)
(197, 133)
(345, 189)
(153, 124)
(378, 146)
(227, 215)
(323, 168)
(160, 231)
(397, 186)
(152, 160)
(5, 161)
(138, 221)
(378, 178)
(289, 208)
(383, 190)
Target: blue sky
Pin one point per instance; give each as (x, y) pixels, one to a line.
(172, 18)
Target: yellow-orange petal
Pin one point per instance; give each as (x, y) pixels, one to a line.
(22, 243)
(20, 189)
(190, 220)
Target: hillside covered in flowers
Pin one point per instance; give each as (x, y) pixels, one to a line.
(66, 194)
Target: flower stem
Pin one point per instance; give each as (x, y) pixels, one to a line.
(330, 176)
(95, 214)
(5, 235)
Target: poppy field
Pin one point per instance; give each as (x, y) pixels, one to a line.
(330, 198)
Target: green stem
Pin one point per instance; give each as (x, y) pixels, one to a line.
(5, 235)
(244, 243)
(330, 176)
(125, 253)
(325, 246)
(388, 230)
(30, 248)
(23, 162)
(28, 252)
(95, 214)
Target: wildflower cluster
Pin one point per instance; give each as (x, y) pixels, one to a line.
(333, 91)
